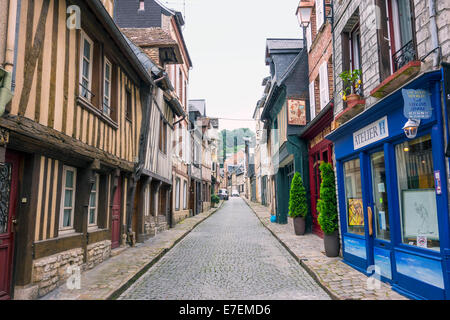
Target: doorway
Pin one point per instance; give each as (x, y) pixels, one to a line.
(115, 221)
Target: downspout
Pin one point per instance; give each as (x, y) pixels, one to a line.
(434, 33)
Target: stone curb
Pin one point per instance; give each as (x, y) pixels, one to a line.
(308, 269)
(133, 278)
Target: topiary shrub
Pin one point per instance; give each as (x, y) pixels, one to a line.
(326, 206)
(298, 203)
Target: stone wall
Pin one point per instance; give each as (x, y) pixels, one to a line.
(97, 253)
(51, 272)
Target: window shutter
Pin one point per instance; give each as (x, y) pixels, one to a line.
(319, 14)
(324, 93)
(308, 37)
(312, 101)
(383, 40)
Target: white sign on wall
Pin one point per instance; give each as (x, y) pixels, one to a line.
(375, 131)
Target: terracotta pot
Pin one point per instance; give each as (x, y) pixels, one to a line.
(353, 97)
(299, 226)
(332, 244)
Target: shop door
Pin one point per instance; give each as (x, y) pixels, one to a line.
(379, 244)
(115, 221)
(9, 174)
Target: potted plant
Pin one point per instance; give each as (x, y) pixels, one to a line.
(327, 208)
(298, 204)
(352, 85)
(214, 199)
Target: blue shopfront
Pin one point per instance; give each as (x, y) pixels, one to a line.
(392, 194)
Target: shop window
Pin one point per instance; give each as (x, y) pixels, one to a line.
(418, 210)
(353, 197)
(68, 199)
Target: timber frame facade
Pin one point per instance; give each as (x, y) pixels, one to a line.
(71, 143)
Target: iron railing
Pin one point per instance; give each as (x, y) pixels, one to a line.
(406, 54)
(83, 94)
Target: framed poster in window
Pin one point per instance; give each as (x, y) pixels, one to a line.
(420, 213)
(355, 212)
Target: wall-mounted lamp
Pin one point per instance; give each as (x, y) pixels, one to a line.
(411, 127)
(330, 17)
(303, 13)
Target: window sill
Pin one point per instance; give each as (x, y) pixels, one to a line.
(353, 108)
(396, 80)
(91, 108)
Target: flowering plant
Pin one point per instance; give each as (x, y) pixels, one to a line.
(352, 83)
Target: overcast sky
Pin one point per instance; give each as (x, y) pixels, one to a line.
(226, 41)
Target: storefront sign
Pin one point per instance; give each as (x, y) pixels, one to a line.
(375, 131)
(296, 112)
(417, 104)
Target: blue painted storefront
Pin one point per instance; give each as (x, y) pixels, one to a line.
(414, 271)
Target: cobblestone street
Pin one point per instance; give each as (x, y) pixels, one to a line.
(231, 255)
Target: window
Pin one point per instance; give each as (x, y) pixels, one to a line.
(380, 198)
(353, 197)
(185, 195)
(324, 90)
(68, 198)
(418, 210)
(128, 104)
(107, 78)
(141, 5)
(87, 48)
(93, 203)
(312, 101)
(355, 49)
(163, 136)
(177, 194)
(320, 14)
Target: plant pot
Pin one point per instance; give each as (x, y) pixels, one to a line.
(353, 97)
(299, 226)
(332, 244)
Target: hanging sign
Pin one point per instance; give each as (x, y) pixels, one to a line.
(373, 132)
(296, 112)
(417, 104)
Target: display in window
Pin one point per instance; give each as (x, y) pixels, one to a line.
(355, 212)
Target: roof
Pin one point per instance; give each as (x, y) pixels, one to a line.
(149, 37)
(284, 44)
(149, 65)
(198, 105)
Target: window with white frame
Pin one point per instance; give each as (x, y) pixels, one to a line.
(93, 203)
(87, 48)
(185, 195)
(319, 13)
(107, 87)
(68, 198)
(312, 101)
(177, 194)
(324, 91)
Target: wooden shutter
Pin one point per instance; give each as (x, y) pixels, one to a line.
(384, 56)
(324, 93)
(312, 101)
(319, 14)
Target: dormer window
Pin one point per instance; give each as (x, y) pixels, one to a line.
(141, 5)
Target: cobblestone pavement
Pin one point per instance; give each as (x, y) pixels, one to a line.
(340, 280)
(229, 256)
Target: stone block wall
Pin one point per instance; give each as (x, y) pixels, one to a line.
(97, 253)
(51, 272)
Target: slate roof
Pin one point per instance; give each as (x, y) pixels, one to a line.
(198, 105)
(284, 44)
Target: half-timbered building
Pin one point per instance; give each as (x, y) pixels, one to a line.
(71, 143)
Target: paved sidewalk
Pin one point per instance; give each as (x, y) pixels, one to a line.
(110, 278)
(341, 281)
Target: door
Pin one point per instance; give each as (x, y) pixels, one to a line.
(9, 174)
(378, 215)
(115, 221)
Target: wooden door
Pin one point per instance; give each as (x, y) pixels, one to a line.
(9, 174)
(115, 220)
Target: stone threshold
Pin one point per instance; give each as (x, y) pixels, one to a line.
(108, 280)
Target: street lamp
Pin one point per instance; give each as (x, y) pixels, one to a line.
(304, 16)
(411, 127)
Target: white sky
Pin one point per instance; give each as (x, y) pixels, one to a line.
(226, 41)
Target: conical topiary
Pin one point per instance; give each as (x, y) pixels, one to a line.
(298, 204)
(326, 206)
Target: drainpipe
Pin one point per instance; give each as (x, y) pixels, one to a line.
(6, 73)
(434, 33)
